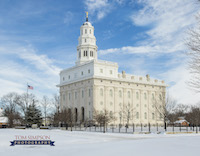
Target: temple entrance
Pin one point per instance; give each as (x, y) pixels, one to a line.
(82, 113)
(76, 114)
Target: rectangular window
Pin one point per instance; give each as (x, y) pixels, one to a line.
(82, 93)
(82, 73)
(101, 70)
(89, 92)
(110, 72)
(88, 70)
(75, 95)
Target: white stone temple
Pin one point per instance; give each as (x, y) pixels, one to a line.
(93, 84)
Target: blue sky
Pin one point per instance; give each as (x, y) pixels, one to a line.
(39, 38)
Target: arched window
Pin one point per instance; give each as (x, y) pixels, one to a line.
(120, 114)
(160, 97)
(101, 92)
(120, 93)
(82, 94)
(153, 96)
(89, 92)
(145, 115)
(111, 92)
(160, 116)
(75, 95)
(86, 53)
(85, 31)
(137, 95)
(129, 94)
(145, 96)
(111, 113)
(153, 116)
(137, 115)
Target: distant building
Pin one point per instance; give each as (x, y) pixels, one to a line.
(181, 121)
(97, 84)
(3, 119)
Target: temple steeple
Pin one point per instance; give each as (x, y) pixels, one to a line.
(86, 49)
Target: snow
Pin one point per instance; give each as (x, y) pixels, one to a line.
(3, 120)
(99, 144)
(180, 121)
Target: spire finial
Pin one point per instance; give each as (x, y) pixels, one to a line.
(86, 16)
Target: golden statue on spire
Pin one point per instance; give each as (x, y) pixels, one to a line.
(86, 16)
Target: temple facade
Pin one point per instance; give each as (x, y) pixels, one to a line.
(93, 84)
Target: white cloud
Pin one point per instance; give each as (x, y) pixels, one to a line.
(68, 17)
(168, 21)
(98, 7)
(23, 65)
(180, 90)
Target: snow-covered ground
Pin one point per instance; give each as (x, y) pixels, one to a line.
(98, 144)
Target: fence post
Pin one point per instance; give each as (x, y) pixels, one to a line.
(173, 127)
(187, 128)
(119, 128)
(133, 128)
(157, 126)
(196, 129)
(95, 127)
(180, 127)
(149, 128)
(112, 129)
(141, 127)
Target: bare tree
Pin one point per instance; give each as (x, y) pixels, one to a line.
(56, 103)
(103, 118)
(193, 44)
(9, 103)
(193, 116)
(126, 113)
(181, 110)
(24, 101)
(45, 104)
(163, 107)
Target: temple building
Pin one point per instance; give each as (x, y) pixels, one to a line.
(93, 84)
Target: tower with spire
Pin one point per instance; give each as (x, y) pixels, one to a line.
(87, 48)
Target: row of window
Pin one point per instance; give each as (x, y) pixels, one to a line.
(76, 95)
(129, 94)
(145, 115)
(90, 31)
(111, 72)
(75, 75)
(85, 53)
